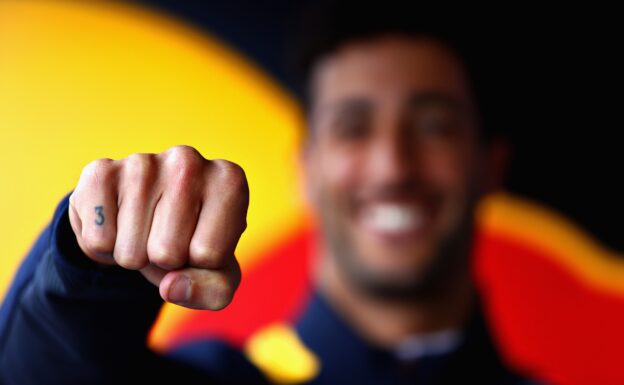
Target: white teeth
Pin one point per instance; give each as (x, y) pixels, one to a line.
(394, 217)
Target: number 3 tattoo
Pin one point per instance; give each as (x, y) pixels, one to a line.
(99, 210)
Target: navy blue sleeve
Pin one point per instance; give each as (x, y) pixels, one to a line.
(68, 320)
(223, 361)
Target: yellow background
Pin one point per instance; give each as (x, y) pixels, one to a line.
(85, 80)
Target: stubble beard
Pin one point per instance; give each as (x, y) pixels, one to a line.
(449, 262)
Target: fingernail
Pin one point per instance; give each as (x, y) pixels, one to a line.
(180, 290)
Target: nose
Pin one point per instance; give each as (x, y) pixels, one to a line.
(392, 159)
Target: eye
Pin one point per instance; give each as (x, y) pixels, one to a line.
(351, 128)
(436, 124)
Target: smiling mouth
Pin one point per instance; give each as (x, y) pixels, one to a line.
(396, 220)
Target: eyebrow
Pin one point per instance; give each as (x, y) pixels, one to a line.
(416, 100)
(352, 105)
(433, 98)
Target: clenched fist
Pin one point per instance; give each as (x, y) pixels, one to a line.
(174, 216)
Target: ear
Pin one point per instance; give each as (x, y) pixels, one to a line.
(497, 161)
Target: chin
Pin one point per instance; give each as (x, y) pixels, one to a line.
(395, 272)
(392, 285)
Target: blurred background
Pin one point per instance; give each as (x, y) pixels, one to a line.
(85, 80)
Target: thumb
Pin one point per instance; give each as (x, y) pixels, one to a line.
(206, 289)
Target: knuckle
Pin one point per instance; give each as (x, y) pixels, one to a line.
(98, 245)
(99, 171)
(184, 158)
(206, 256)
(139, 167)
(166, 255)
(72, 199)
(231, 174)
(183, 149)
(131, 260)
(130, 263)
(185, 165)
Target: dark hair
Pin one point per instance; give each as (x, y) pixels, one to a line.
(481, 45)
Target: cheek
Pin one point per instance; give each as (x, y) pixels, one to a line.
(450, 169)
(453, 173)
(336, 176)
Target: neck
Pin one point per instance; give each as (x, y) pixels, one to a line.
(387, 322)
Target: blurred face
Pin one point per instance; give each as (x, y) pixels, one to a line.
(393, 162)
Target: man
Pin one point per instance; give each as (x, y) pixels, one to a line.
(396, 156)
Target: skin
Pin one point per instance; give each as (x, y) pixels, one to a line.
(393, 121)
(174, 216)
